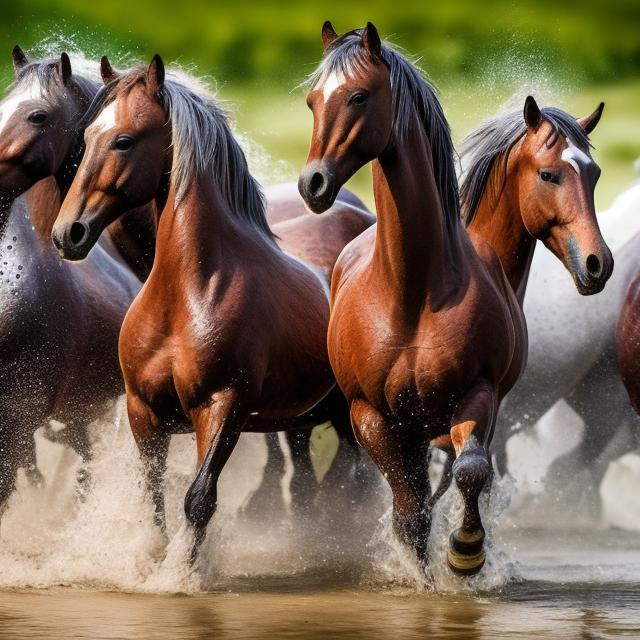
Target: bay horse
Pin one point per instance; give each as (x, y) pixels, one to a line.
(318, 241)
(528, 176)
(59, 323)
(571, 352)
(426, 336)
(228, 333)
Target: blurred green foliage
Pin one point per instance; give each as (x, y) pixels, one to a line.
(571, 54)
(260, 42)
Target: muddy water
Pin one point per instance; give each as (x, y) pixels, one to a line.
(92, 565)
(563, 597)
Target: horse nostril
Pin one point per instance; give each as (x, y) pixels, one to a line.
(317, 183)
(593, 265)
(77, 232)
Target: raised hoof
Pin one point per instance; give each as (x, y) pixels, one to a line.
(466, 554)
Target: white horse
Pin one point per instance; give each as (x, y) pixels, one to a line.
(571, 356)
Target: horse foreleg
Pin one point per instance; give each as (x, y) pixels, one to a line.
(304, 485)
(218, 426)
(153, 445)
(267, 498)
(445, 479)
(9, 463)
(470, 432)
(402, 460)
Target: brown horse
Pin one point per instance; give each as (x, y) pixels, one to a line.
(318, 241)
(228, 333)
(426, 336)
(628, 343)
(59, 323)
(528, 176)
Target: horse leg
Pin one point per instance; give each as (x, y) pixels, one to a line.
(445, 479)
(30, 463)
(218, 426)
(9, 463)
(153, 444)
(267, 498)
(470, 432)
(349, 461)
(402, 460)
(304, 486)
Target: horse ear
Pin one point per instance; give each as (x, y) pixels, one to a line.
(64, 68)
(328, 35)
(588, 123)
(155, 75)
(371, 40)
(532, 113)
(106, 70)
(19, 59)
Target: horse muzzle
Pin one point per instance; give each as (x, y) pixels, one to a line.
(593, 273)
(318, 186)
(73, 241)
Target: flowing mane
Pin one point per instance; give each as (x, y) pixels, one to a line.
(203, 143)
(413, 94)
(491, 143)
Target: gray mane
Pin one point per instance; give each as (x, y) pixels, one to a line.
(84, 78)
(203, 143)
(491, 143)
(413, 94)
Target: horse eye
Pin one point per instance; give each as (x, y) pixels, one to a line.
(358, 99)
(548, 176)
(124, 143)
(37, 117)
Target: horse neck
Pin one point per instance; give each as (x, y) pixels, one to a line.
(415, 249)
(44, 199)
(499, 223)
(194, 235)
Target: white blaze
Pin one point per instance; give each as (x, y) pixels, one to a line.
(106, 120)
(575, 157)
(13, 101)
(332, 82)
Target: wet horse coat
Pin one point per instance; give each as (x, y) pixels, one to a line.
(228, 333)
(530, 176)
(59, 323)
(413, 303)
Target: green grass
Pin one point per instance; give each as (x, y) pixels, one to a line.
(280, 123)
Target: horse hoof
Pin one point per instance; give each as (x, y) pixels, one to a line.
(466, 554)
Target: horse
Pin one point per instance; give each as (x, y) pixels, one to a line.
(228, 333)
(413, 301)
(503, 204)
(59, 323)
(318, 241)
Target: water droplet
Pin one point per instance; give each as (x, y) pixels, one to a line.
(9, 246)
(17, 276)
(19, 267)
